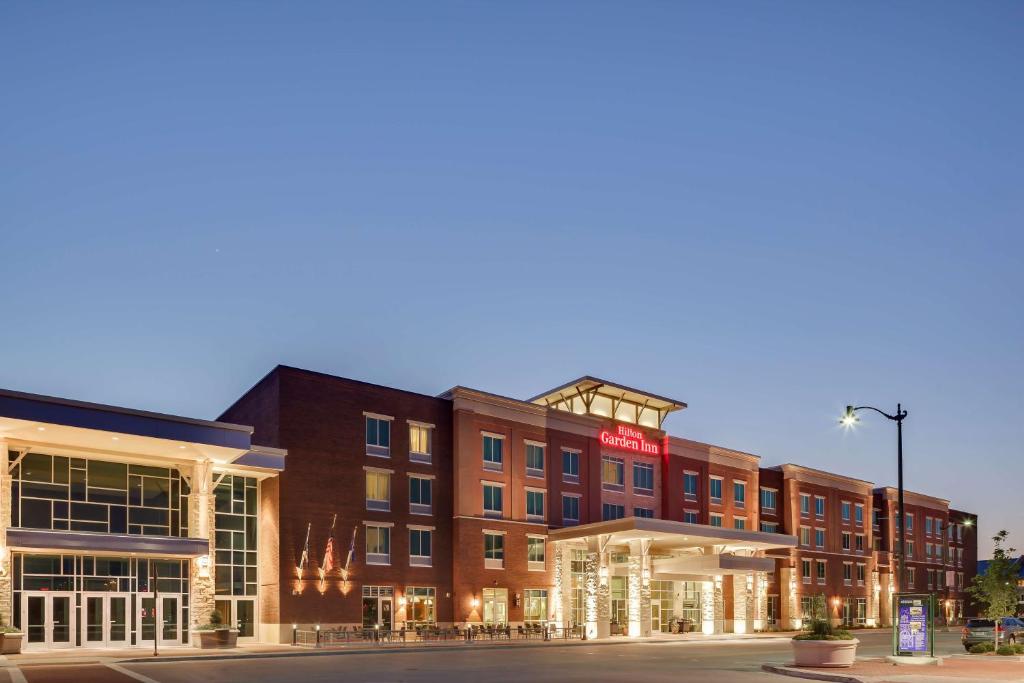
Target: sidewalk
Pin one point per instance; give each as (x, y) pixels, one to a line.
(188, 653)
(877, 670)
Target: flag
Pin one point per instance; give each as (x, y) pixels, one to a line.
(328, 563)
(351, 554)
(305, 551)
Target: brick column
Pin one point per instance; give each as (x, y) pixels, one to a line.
(6, 582)
(789, 610)
(200, 525)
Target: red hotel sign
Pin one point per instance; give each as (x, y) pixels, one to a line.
(629, 439)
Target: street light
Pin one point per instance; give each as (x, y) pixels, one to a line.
(849, 419)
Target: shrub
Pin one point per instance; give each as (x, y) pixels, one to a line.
(1010, 649)
(981, 648)
(819, 627)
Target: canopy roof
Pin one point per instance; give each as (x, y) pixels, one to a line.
(595, 396)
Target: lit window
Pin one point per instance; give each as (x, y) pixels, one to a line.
(612, 473)
(493, 456)
(378, 436)
(419, 442)
(378, 490)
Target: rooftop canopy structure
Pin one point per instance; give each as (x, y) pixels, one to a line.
(594, 396)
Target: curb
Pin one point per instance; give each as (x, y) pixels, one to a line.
(810, 675)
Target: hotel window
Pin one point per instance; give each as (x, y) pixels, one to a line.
(858, 514)
(235, 526)
(805, 570)
(570, 510)
(910, 522)
(931, 579)
(534, 459)
(739, 522)
(690, 485)
(858, 543)
(927, 550)
(420, 498)
(959, 533)
(769, 498)
(534, 505)
(910, 549)
(940, 579)
(643, 512)
(535, 606)
(494, 550)
(643, 478)
(805, 505)
(611, 511)
(911, 576)
(876, 517)
(819, 538)
(420, 605)
(846, 541)
(805, 536)
(739, 493)
(419, 442)
(819, 506)
(845, 510)
(378, 544)
(770, 527)
(535, 553)
(691, 517)
(378, 436)
(492, 500)
(378, 490)
(860, 574)
(927, 526)
(821, 571)
(50, 492)
(716, 519)
(493, 446)
(938, 528)
(613, 473)
(877, 543)
(716, 489)
(570, 465)
(419, 546)
(847, 574)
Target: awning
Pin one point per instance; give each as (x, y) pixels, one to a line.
(88, 542)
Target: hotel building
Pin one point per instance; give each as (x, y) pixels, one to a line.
(121, 527)
(572, 507)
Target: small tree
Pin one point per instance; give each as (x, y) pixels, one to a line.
(997, 587)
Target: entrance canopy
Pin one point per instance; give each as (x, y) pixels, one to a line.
(594, 396)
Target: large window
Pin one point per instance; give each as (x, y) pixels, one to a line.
(534, 460)
(805, 504)
(76, 494)
(419, 442)
(690, 485)
(535, 552)
(570, 465)
(420, 495)
(819, 538)
(378, 544)
(378, 490)
(236, 537)
(419, 605)
(769, 497)
(612, 511)
(570, 510)
(716, 519)
(691, 517)
(643, 478)
(613, 473)
(419, 546)
(493, 451)
(535, 605)
(643, 512)
(378, 436)
(739, 493)
(844, 510)
(819, 506)
(492, 500)
(494, 550)
(534, 505)
(716, 489)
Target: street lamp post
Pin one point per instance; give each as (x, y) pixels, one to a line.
(849, 419)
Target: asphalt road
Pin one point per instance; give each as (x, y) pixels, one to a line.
(720, 662)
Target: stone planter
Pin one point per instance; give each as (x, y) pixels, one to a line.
(10, 643)
(828, 654)
(219, 639)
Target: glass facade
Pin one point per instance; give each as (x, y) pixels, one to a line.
(236, 534)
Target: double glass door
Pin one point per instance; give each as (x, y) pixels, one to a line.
(495, 606)
(105, 622)
(377, 612)
(160, 617)
(238, 613)
(48, 618)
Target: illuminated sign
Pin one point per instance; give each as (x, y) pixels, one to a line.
(629, 439)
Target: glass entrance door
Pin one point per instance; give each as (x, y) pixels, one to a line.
(377, 612)
(49, 619)
(495, 606)
(105, 620)
(239, 613)
(161, 617)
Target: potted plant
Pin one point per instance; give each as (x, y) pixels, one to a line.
(10, 640)
(215, 635)
(823, 645)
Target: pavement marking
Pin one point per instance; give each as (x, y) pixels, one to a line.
(15, 673)
(128, 672)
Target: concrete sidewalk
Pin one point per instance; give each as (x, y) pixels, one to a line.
(877, 670)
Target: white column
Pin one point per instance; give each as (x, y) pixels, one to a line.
(201, 511)
(707, 607)
(639, 586)
(590, 583)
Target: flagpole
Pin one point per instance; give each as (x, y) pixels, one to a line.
(329, 549)
(305, 551)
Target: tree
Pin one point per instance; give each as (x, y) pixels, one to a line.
(997, 587)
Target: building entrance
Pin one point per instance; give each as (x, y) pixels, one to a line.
(105, 620)
(49, 619)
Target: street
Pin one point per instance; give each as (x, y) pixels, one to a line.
(723, 662)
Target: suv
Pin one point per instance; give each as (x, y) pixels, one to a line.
(1011, 630)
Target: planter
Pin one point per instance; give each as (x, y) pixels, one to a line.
(219, 639)
(824, 653)
(10, 643)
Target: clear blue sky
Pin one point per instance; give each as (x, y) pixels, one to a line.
(765, 209)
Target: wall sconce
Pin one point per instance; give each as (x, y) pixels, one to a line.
(401, 601)
(836, 602)
(515, 599)
(203, 563)
(474, 603)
